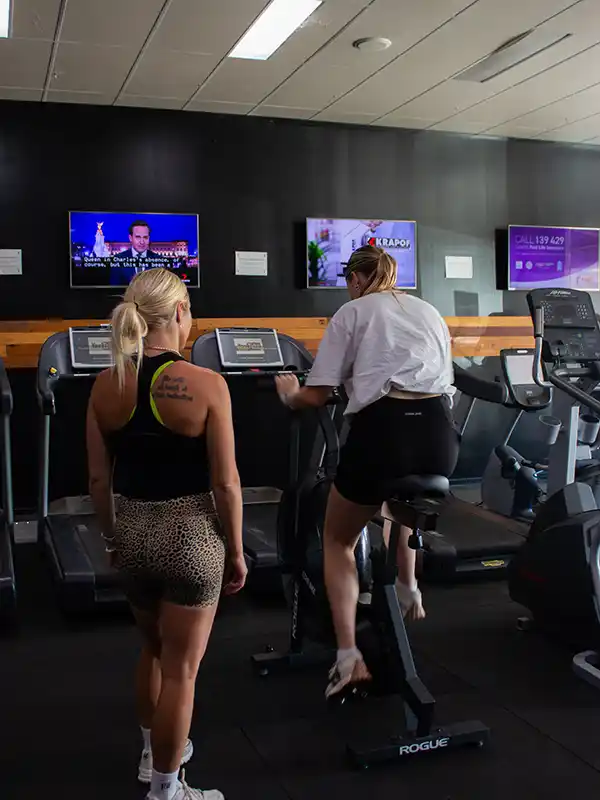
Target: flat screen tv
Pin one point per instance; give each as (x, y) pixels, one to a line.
(542, 257)
(109, 248)
(330, 242)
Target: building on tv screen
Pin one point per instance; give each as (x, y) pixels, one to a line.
(547, 258)
(108, 249)
(330, 242)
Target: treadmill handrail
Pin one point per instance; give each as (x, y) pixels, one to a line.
(480, 388)
(557, 379)
(6, 398)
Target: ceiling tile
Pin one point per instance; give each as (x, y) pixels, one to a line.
(400, 120)
(595, 141)
(206, 26)
(88, 98)
(24, 63)
(333, 115)
(578, 131)
(89, 68)
(454, 125)
(36, 19)
(469, 37)
(312, 86)
(110, 22)
(149, 102)
(514, 130)
(563, 112)
(164, 73)
(283, 112)
(6, 93)
(443, 101)
(220, 108)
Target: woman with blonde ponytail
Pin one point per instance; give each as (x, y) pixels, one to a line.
(160, 436)
(392, 352)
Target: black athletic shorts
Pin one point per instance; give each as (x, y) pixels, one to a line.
(393, 438)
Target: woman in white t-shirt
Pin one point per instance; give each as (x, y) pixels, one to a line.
(392, 352)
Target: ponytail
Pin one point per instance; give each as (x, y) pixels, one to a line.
(128, 331)
(378, 266)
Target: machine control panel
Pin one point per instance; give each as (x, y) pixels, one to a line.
(571, 330)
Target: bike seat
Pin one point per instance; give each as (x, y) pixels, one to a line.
(413, 487)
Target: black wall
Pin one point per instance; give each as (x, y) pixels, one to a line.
(253, 181)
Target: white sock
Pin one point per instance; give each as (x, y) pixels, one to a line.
(146, 734)
(163, 786)
(351, 652)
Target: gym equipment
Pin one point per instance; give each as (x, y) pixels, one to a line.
(68, 364)
(470, 542)
(244, 355)
(417, 501)
(556, 574)
(510, 484)
(8, 592)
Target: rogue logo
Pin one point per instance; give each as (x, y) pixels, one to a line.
(379, 241)
(423, 747)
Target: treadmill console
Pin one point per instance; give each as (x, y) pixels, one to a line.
(517, 369)
(91, 348)
(249, 349)
(571, 330)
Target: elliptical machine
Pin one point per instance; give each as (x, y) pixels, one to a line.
(556, 574)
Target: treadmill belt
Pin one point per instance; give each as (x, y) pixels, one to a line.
(474, 530)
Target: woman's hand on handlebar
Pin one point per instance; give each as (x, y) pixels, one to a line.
(287, 388)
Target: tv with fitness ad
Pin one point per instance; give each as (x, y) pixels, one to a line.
(542, 257)
(331, 242)
(109, 248)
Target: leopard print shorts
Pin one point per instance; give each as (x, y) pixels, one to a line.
(170, 550)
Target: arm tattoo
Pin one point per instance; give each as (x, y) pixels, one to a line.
(172, 389)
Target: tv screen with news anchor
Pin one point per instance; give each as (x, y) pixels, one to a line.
(109, 248)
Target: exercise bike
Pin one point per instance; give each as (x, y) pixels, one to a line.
(556, 574)
(416, 502)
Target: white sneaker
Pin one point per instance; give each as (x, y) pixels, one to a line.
(145, 768)
(186, 792)
(411, 602)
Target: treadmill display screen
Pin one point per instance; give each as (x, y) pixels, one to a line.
(247, 348)
(520, 369)
(91, 348)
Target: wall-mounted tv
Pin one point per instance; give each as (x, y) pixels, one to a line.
(329, 242)
(543, 257)
(109, 248)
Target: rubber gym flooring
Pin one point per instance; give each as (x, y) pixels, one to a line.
(68, 730)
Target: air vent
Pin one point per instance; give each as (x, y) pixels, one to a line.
(513, 52)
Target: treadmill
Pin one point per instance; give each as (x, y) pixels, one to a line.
(8, 592)
(68, 364)
(470, 541)
(248, 358)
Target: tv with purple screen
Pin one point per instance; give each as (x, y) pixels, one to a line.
(330, 242)
(108, 248)
(542, 257)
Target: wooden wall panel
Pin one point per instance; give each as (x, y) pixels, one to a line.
(20, 342)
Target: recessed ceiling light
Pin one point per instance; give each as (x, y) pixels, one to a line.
(4, 18)
(372, 44)
(276, 24)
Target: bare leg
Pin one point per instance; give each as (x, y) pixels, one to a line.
(184, 635)
(343, 523)
(148, 676)
(408, 591)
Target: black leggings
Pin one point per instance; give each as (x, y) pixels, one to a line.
(393, 438)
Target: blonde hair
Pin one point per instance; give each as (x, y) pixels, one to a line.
(149, 302)
(378, 266)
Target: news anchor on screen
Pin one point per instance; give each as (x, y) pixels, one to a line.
(136, 257)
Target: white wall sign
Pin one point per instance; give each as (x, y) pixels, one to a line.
(459, 267)
(250, 263)
(11, 262)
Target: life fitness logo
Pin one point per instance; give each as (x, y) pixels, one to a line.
(383, 241)
(423, 747)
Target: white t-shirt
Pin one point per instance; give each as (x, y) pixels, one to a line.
(384, 341)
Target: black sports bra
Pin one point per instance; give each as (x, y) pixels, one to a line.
(151, 461)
